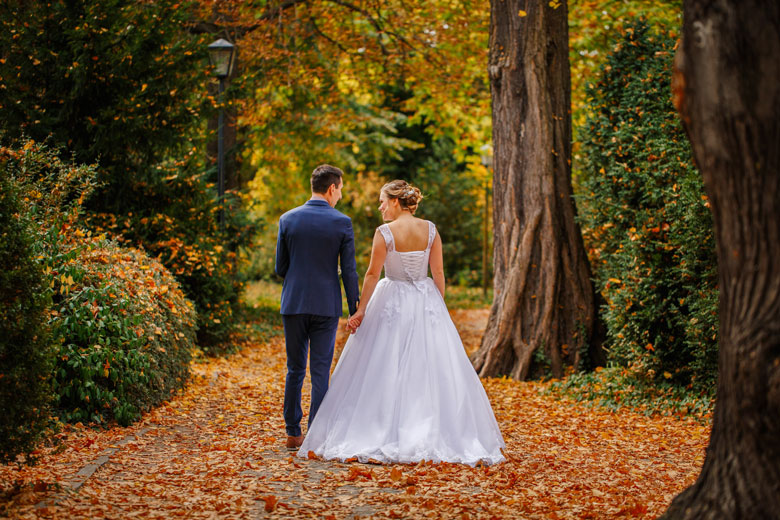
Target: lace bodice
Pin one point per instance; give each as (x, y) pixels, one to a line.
(407, 266)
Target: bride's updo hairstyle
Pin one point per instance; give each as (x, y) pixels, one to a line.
(408, 196)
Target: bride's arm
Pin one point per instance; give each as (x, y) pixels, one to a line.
(437, 264)
(378, 254)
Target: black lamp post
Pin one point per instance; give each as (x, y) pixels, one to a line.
(221, 56)
(486, 157)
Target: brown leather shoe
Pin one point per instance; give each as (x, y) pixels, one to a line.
(293, 443)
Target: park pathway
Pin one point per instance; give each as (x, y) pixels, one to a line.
(216, 451)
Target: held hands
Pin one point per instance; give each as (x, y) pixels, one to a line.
(354, 321)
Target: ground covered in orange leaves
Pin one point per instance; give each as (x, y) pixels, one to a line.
(216, 451)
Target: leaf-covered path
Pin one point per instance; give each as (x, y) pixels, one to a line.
(216, 451)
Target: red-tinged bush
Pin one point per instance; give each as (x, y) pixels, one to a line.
(127, 332)
(177, 224)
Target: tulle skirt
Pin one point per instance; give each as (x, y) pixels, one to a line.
(403, 389)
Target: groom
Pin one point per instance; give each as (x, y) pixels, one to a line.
(312, 239)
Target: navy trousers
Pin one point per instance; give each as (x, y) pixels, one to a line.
(304, 333)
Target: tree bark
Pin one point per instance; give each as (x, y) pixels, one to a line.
(726, 90)
(543, 296)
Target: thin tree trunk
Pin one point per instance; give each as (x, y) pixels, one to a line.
(726, 90)
(543, 294)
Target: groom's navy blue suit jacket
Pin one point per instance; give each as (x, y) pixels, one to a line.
(312, 238)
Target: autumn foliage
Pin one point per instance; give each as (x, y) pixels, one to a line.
(217, 450)
(646, 219)
(124, 86)
(127, 333)
(123, 329)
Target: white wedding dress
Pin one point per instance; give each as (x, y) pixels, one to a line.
(403, 389)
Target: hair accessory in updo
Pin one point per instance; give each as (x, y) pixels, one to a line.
(408, 196)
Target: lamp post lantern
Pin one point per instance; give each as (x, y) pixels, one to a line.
(486, 157)
(222, 57)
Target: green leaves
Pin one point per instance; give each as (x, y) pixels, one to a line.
(646, 222)
(26, 345)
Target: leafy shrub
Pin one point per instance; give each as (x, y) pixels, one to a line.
(175, 221)
(617, 387)
(116, 82)
(645, 217)
(124, 328)
(127, 331)
(26, 347)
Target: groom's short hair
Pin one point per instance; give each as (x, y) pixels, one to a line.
(323, 176)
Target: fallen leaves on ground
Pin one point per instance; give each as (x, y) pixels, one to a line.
(217, 450)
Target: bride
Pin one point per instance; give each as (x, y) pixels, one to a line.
(403, 389)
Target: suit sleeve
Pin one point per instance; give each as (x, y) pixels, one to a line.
(282, 254)
(349, 268)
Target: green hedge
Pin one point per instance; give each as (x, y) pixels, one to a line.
(124, 328)
(646, 220)
(26, 349)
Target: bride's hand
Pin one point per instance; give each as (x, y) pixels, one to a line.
(355, 320)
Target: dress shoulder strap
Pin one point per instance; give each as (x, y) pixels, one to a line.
(388, 236)
(431, 234)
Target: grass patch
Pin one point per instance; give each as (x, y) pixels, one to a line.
(267, 295)
(458, 297)
(262, 303)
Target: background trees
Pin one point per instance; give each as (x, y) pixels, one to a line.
(124, 85)
(543, 299)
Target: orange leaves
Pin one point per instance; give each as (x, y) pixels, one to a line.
(270, 503)
(357, 473)
(218, 447)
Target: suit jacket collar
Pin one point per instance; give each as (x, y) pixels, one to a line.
(317, 202)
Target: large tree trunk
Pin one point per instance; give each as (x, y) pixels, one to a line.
(543, 296)
(726, 89)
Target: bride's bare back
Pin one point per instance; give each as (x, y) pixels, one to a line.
(409, 234)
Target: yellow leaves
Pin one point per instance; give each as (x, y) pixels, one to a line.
(555, 4)
(521, 13)
(143, 87)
